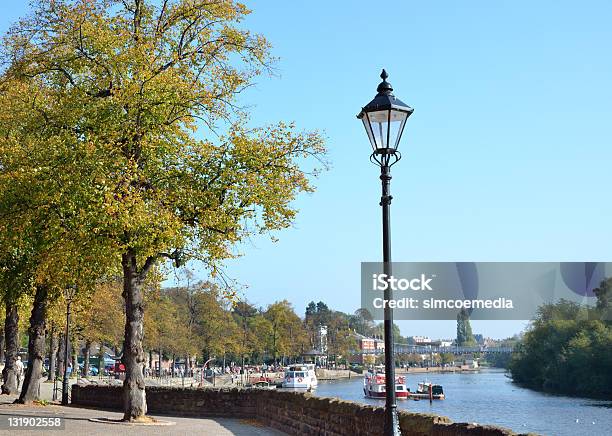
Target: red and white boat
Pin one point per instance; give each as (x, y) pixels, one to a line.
(374, 384)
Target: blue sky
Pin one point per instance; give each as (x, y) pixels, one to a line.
(506, 158)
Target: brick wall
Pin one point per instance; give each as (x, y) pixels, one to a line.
(291, 412)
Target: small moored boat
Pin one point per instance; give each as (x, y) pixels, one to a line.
(427, 389)
(374, 384)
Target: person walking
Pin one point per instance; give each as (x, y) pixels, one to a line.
(19, 370)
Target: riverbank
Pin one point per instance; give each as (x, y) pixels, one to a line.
(603, 396)
(436, 369)
(334, 374)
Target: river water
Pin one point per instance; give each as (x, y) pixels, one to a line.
(490, 397)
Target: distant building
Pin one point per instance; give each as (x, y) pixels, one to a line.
(322, 339)
(379, 345)
(365, 343)
(315, 356)
(441, 343)
(470, 363)
(489, 342)
(419, 340)
(368, 349)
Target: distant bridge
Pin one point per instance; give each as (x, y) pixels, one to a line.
(427, 349)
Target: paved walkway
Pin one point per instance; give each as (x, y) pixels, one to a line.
(77, 422)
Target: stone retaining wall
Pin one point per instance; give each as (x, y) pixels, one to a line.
(291, 412)
(334, 374)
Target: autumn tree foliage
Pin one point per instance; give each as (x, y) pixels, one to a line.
(46, 247)
(98, 318)
(199, 321)
(134, 104)
(285, 334)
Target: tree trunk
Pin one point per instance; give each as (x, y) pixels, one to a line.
(36, 348)
(11, 330)
(2, 344)
(60, 356)
(134, 398)
(101, 361)
(86, 358)
(53, 345)
(151, 360)
(75, 358)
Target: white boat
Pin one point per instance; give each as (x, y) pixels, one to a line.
(301, 376)
(374, 384)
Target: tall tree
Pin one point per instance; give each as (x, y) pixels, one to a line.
(311, 309)
(136, 78)
(100, 313)
(40, 208)
(362, 322)
(161, 325)
(341, 339)
(464, 329)
(284, 321)
(604, 298)
(15, 284)
(213, 324)
(379, 331)
(245, 315)
(36, 345)
(99, 316)
(9, 373)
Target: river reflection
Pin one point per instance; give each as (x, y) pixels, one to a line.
(489, 397)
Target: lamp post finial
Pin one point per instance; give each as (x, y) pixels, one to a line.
(384, 88)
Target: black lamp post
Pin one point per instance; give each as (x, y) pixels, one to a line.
(384, 119)
(69, 293)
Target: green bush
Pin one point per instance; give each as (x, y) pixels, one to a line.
(566, 350)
